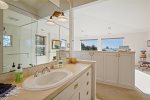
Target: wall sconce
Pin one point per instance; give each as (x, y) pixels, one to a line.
(58, 15)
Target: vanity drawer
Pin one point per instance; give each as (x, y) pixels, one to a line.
(81, 88)
(67, 93)
(86, 86)
(86, 78)
(87, 75)
(85, 94)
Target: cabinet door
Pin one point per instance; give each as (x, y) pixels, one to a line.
(76, 96)
(85, 90)
(99, 58)
(58, 97)
(126, 69)
(111, 67)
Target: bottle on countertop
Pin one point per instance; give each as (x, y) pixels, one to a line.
(19, 74)
(13, 68)
(60, 62)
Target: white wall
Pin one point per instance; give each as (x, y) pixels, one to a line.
(27, 44)
(95, 21)
(8, 59)
(23, 41)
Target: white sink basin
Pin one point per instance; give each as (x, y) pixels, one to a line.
(46, 81)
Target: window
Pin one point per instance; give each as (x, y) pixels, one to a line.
(40, 45)
(7, 40)
(111, 44)
(89, 44)
(63, 43)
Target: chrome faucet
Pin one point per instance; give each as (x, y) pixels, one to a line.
(45, 69)
(36, 74)
(31, 65)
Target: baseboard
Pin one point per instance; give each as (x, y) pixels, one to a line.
(116, 85)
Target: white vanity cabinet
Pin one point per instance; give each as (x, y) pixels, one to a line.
(80, 89)
(115, 68)
(110, 67)
(99, 58)
(126, 69)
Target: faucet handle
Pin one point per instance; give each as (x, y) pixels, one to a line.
(36, 74)
(46, 69)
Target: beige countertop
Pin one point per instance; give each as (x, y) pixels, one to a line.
(77, 70)
(107, 51)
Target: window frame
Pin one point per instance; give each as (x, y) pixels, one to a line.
(43, 45)
(111, 38)
(89, 40)
(11, 40)
(65, 43)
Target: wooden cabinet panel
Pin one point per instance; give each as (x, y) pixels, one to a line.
(126, 69)
(85, 91)
(99, 58)
(111, 67)
(76, 96)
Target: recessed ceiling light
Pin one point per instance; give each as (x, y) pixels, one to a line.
(3, 5)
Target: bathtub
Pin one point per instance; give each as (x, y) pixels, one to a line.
(142, 82)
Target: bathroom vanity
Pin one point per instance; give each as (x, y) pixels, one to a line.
(80, 89)
(80, 86)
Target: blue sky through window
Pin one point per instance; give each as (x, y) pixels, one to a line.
(111, 44)
(7, 40)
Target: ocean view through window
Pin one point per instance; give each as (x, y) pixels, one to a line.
(89, 44)
(111, 44)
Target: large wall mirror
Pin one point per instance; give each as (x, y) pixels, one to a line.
(32, 40)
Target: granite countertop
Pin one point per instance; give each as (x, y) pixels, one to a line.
(77, 70)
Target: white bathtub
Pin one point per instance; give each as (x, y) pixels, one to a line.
(142, 82)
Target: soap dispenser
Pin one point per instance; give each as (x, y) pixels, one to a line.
(13, 68)
(19, 74)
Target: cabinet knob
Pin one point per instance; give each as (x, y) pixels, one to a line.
(76, 86)
(87, 83)
(87, 93)
(87, 74)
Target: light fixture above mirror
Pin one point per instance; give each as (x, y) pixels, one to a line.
(3, 5)
(57, 16)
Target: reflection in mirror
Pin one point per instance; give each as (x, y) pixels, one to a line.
(32, 40)
(50, 39)
(44, 36)
(18, 39)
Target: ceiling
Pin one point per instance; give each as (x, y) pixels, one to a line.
(37, 4)
(113, 16)
(13, 18)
